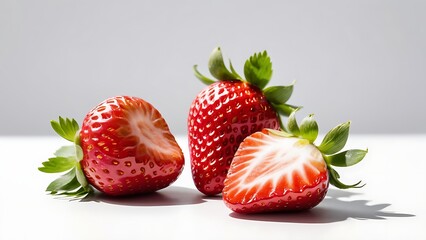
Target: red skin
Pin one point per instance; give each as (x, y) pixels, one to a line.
(115, 160)
(290, 201)
(220, 117)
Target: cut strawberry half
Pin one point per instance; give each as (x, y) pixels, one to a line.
(279, 171)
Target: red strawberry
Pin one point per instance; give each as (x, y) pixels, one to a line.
(125, 147)
(278, 171)
(226, 112)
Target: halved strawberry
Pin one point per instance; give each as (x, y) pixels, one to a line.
(229, 110)
(124, 147)
(284, 171)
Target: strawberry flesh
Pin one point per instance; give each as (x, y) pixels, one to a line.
(128, 148)
(273, 173)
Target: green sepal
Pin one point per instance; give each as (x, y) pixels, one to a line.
(258, 69)
(66, 128)
(346, 158)
(217, 66)
(334, 180)
(78, 153)
(80, 176)
(72, 151)
(201, 77)
(65, 151)
(335, 139)
(292, 125)
(79, 193)
(281, 124)
(278, 94)
(284, 109)
(309, 128)
(67, 182)
(73, 183)
(233, 70)
(280, 133)
(58, 164)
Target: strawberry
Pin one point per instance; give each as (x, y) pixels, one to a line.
(284, 171)
(229, 110)
(124, 147)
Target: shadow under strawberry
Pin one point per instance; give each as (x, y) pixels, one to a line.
(171, 196)
(332, 209)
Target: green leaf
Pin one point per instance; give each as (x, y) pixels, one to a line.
(309, 128)
(258, 69)
(233, 70)
(81, 192)
(66, 128)
(346, 158)
(280, 133)
(201, 77)
(58, 164)
(335, 139)
(217, 66)
(66, 151)
(280, 122)
(67, 182)
(71, 184)
(292, 125)
(80, 176)
(334, 180)
(278, 94)
(284, 109)
(78, 153)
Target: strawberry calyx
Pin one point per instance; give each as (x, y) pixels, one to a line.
(257, 72)
(333, 142)
(67, 159)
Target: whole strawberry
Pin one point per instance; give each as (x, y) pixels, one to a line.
(284, 171)
(229, 110)
(124, 147)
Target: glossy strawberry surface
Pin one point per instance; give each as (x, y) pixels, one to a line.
(128, 148)
(274, 173)
(220, 117)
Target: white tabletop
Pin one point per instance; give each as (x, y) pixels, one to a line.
(390, 206)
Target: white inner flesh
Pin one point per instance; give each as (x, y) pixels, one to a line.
(277, 159)
(143, 126)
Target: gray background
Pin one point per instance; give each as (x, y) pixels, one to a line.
(353, 60)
